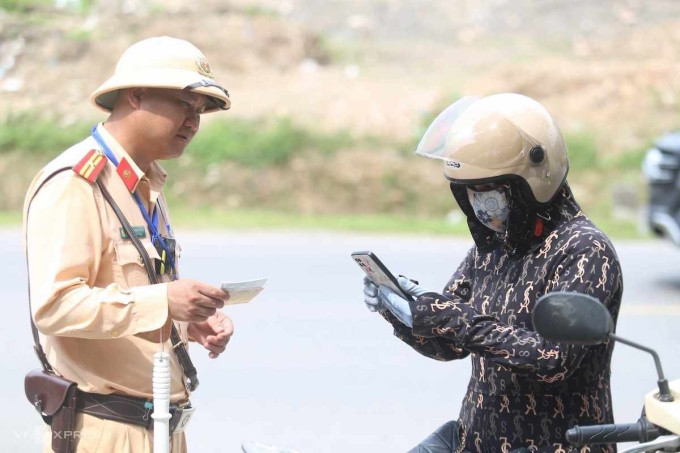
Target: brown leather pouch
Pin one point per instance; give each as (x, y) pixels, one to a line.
(55, 399)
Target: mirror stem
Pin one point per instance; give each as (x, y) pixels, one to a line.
(664, 389)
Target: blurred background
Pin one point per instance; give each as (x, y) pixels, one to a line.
(331, 96)
(329, 99)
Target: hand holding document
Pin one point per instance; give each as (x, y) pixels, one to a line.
(242, 292)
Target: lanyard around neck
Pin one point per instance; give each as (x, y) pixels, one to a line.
(151, 221)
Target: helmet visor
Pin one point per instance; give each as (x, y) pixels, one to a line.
(466, 135)
(433, 143)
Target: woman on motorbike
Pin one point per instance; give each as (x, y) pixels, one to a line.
(506, 161)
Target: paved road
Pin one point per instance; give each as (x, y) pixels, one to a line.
(310, 368)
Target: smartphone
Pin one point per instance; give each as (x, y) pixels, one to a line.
(378, 273)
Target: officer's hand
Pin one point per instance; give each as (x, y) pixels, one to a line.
(194, 301)
(213, 334)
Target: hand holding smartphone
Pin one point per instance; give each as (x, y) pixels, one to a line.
(378, 273)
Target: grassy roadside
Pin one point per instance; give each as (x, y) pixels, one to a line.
(347, 183)
(198, 219)
(10, 218)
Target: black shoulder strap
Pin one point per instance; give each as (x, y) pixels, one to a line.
(178, 344)
(37, 347)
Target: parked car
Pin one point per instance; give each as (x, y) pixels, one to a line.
(661, 167)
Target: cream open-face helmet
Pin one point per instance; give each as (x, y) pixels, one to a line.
(163, 62)
(498, 138)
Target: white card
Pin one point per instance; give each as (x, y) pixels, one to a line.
(242, 292)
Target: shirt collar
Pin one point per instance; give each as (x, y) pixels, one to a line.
(157, 177)
(124, 159)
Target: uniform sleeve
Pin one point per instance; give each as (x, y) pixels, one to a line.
(523, 350)
(434, 346)
(64, 244)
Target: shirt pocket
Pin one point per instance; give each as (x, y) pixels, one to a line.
(130, 264)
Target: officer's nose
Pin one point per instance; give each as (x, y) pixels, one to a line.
(193, 121)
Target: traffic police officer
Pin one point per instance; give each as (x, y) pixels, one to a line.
(100, 320)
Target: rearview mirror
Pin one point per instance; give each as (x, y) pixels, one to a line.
(572, 318)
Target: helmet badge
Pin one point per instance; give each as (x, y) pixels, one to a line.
(204, 67)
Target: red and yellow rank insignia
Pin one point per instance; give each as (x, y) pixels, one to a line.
(127, 174)
(91, 165)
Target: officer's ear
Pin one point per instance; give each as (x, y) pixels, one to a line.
(134, 97)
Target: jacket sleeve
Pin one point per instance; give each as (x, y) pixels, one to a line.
(64, 246)
(442, 349)
(523, 350)
(435, 347)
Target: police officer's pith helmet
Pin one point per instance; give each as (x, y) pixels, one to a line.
(499, 138)
(163, 62)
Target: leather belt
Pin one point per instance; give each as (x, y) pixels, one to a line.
(128, 409)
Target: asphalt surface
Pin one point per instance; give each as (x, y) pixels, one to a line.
(310, 368)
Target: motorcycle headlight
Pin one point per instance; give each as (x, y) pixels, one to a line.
(660, 167)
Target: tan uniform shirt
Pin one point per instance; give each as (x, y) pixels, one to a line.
(100, 320)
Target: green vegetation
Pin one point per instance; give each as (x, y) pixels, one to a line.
(82, 6)
(23, 5)
(328, 50)
(583, 155)
(79, 35)
(630, 160)
(252, 143)
(261, 143)
(616, 228)
(211, 218)
(30, 133)
(241, 174)
(207, 218)
(258, 11)
(10, 218)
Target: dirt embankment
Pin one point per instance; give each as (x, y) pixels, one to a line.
(607, 68)
(52, 66)
(369, 65)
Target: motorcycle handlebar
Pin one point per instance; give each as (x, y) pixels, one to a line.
(642, 431)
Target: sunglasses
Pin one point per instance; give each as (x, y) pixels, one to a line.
(203, 83)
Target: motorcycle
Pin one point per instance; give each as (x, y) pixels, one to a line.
(574, 318)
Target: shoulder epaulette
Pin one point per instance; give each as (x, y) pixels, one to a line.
(91, 165)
